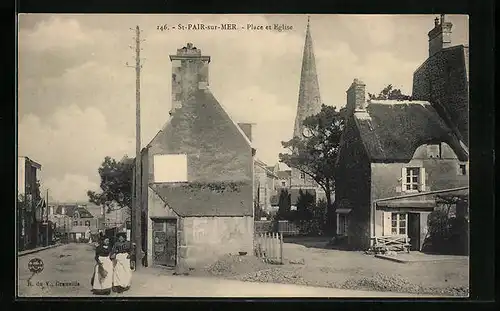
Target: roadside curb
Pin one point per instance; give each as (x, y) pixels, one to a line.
(36, 250)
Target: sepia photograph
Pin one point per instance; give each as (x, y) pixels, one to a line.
(219, 155)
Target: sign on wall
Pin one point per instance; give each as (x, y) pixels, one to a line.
(170, 168)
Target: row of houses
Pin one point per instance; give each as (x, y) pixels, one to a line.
(200, 176)
(40, 224)
(81, 221)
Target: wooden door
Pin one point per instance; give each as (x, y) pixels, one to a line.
(414, 231)
(165, 242)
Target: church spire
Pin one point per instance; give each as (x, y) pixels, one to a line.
(309, 97)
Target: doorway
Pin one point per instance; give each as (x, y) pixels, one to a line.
(414, 231)
(165, 242)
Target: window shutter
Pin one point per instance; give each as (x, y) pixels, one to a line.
(422, 179)
(403, 179)
(387, 223)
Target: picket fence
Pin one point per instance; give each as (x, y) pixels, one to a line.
(269, 247)
(285, 227)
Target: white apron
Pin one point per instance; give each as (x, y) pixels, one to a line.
(122, 274)
(105, 283)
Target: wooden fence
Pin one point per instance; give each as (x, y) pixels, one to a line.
(284, 227)
(269, 246)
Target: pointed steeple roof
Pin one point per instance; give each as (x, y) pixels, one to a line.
(309, 97)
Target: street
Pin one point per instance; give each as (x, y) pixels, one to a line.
(68, 269)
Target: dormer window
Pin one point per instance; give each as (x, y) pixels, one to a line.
(434, 151)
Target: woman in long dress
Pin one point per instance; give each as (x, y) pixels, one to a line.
(122, 274)
(102, 280)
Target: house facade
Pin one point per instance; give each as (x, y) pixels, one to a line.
(68, 216)
(396, 155)
(31, 206)
(391, 149)
(265, 182)
(197, 175)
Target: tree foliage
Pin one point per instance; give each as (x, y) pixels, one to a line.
(389, 93)
(316, 154)
(116, 184)
(284, 205)
(448, 228)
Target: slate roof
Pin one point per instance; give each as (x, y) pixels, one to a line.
(216, 133)
(391, 131)
(71, 209)
(284, 174)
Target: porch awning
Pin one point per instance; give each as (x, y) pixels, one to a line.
(408, 204)
(343, 210)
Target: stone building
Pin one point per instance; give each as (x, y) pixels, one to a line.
(443, 79)
(390, 149)
(265, 182)
(197, 175)
(30, 205)
(408, 149)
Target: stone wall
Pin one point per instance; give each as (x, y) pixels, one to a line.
(202, 240)
(353, 186)
(443, 80)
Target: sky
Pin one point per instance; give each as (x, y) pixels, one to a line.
(76, 95)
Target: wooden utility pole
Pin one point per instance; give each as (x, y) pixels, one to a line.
(47, 209)
(136, 233)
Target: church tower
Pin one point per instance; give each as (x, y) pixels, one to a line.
(309, 103)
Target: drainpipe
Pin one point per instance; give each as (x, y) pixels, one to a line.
(374, 202)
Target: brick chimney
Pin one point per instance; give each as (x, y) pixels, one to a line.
(189, 73)
(247, 129)
(356, 97)
(440, 35)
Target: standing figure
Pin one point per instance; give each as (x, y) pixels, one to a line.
(102, 280)
(122, 274)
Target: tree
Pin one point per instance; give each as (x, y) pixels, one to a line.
(390, 93)
(116, 184)
(305, 203)
(284, 205)
(316, 154)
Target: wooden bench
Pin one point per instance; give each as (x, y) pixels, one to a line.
(391, 242)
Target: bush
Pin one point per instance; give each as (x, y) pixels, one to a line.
(311, 215)
(447, 233)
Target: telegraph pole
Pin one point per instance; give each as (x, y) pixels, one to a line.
(137, 210)
(47, 209)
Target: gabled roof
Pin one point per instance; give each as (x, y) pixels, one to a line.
(219, 142)
(391, 131)
(284, 174)
(204, 98)
(71, 209)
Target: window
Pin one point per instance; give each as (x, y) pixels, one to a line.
(81, 223)
(412, 178)
(463, 169)
(75, 223)
(283, 183)
(170, 168)
(434, 151)
(87, 223)
(303, 175)
(399, 223)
